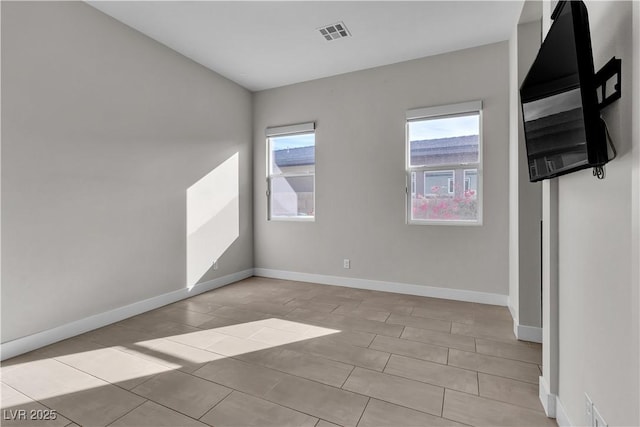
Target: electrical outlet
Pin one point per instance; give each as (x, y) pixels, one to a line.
(346, 263)
(215, 264)
(598, 421)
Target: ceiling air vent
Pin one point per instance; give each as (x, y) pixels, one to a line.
(334, 31)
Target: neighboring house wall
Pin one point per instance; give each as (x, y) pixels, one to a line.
(103, 132)
(598, 242)
(360, 175)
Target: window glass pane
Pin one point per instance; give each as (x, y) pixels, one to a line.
(444, 140)
(471, 181)
(292, 196)
(292, 153)
(437, 183)
(444, 195)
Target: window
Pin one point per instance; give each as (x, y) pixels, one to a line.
(444, 149)
(291, 172)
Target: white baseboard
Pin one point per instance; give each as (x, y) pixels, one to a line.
(561, 415)
(547, 399)
(31, 342)
(552, 405)
(529, 333)
(522, 332)
(514, 316)
(375, 285)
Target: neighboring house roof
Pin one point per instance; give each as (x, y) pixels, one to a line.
(295, 156)
(458, 149)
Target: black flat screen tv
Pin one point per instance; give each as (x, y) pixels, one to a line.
(562, 126)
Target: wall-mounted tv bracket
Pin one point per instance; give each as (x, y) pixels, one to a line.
(605, 82)
(611, 70)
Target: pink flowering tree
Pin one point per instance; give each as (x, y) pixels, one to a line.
(460, 206)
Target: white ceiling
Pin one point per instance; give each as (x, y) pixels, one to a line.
(266, 44)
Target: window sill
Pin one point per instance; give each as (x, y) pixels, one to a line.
(464, 223)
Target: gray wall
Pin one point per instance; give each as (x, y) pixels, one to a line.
(598, 258)
(529, 198)
(360, 175)
(104, 130)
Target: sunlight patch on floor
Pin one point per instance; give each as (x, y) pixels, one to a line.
(77, 366)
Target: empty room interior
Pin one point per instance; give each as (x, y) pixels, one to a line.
(319, 213)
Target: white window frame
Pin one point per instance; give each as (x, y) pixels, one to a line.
(444, 111)
(414, 183)
(297, 129)
(466, 179)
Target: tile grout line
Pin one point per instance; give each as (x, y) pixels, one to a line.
(512, 341)
(505, 358)
(363, 411)
(401, 405)
(489, 399)
(541, 409)
(164, 406)
(128, 412)
(431, 343)
(218, 403)
(429, 361)
(424, 342)
(438, 385)
(282, 372)
(307, 353)
(496, 357)
(386, 363)
(147, 399)
(39, 402)
(374, 338)
(94, 376)
(448, 365)
(498, 376)
(347, 378)
(263, 397)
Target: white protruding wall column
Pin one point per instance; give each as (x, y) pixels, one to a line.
(550, 331)
(550, 361)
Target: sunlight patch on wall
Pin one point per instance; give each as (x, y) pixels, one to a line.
(213, 218)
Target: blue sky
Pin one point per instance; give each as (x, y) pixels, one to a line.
(443, 128)
(292, 141)
(418, 130)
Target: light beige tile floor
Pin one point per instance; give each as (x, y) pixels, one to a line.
(265, 352)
